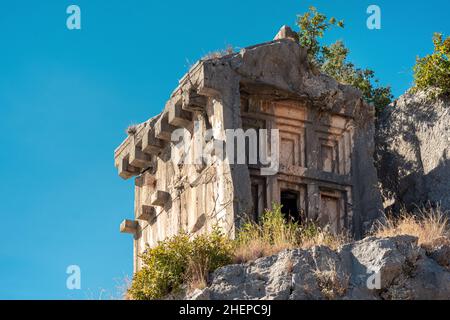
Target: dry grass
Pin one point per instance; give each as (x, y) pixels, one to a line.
(219, 54)
(323, 237)
(330, 283)
(256, 249)
(430, 226)
(197, 274)
(122, 288)
(132, 129)
(274, 235)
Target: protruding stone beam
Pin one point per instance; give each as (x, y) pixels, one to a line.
(151, 144)
(160, 198)
(163, 130)
(126, 170)
(192, 101)
(129, 226)
(147, 213)
(177, 116)
(137, 157)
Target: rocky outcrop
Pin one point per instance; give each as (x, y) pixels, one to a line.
(374, 268)
(413, 151)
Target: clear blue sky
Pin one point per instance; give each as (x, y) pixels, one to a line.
(67, 96)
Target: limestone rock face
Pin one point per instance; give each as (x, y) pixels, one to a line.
(373, 268)
(413, 151)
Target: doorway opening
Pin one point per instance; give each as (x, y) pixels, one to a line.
(290, 205)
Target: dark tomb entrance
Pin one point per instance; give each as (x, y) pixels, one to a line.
(290, 202)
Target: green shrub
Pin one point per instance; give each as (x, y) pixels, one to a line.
(332, 59)
(179, 260)
(433, 70)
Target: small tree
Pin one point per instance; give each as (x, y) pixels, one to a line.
(313, 25)
(433, 70)
(332, 59)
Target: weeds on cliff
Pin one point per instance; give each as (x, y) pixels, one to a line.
(331, 284)
(430, 226)
(274, 234)
(219, 54)
(311, 235)
(179, 260)
(131, 129)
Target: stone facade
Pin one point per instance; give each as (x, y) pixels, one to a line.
(325, 172)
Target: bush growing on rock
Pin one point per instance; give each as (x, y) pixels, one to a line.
(179, 260)
(332, 59)
(433, 71)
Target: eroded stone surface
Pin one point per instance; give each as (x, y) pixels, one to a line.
(413, 148)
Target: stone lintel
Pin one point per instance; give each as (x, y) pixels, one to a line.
(129, 226)
(160, 198)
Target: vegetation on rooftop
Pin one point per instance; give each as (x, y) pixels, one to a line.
(333, 59)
